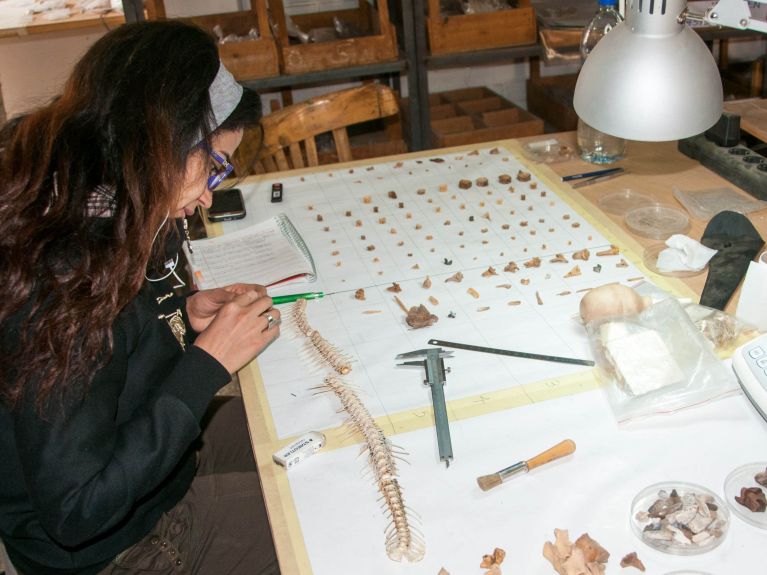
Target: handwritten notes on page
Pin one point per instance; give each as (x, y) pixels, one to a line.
(268, 253)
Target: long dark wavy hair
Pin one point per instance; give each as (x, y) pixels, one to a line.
(134, 109)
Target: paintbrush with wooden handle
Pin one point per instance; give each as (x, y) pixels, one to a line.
(487, 482)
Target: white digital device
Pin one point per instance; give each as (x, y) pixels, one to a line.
(305, 446)
(750, 365)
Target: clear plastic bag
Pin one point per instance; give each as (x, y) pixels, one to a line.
(657, 362)
(723, 330)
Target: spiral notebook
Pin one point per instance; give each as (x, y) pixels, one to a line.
(269, 253)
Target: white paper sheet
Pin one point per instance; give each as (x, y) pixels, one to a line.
(374, 339)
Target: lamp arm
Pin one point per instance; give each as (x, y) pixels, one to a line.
(735, 14)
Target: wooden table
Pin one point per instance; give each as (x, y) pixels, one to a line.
(585, 501)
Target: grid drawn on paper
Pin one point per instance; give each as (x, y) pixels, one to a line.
(370, 226)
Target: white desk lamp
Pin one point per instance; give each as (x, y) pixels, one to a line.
(652, 78)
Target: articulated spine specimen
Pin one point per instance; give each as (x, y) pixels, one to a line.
(402, 540)
(323, 349)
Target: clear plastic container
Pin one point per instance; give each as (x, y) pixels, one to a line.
(738, 478)
(623, 201)
(548, 151)
(647, 499)
(705, 204)
(658, 222)
(650, 259)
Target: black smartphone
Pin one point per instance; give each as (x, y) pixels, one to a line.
(227, 205)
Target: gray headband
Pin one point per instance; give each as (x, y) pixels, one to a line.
(225, 93)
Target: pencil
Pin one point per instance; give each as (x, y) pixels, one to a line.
(278, 299)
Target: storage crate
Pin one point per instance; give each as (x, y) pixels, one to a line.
(469, 32)
(246, 59)
(475, 115)
(378, 44)
(551, 99)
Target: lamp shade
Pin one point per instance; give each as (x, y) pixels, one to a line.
(651, 78)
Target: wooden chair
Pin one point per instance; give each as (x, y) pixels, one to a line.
(289, 134)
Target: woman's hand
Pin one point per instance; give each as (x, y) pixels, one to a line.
(203, 306)
(240, 329)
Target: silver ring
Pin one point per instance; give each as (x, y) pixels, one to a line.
(270, 321)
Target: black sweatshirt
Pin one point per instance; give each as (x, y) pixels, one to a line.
(93, 479)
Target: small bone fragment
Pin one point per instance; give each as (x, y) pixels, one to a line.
(473, 293)
(426, 283)
(533, 263)
(622, 264)
(402, 306)
(486, 215)
(631, 560)
(394, 287)
(505, 226)
(464, 184)
(367, 199)
(443, 571)
(514, 302)
(504, 179)
(523, 224)
(433, 300)
(481, 182)
(489, 272)
(359, 294)
(558, 259)
(370, 248)
(753, 498)
(420, 191)
(576, 271)
(593, 552)
(358, 224)
(371, 311)
(761, 478)
(415, 267)
(577, 225)
(533, 185)
(392, 194)
(566, 292)
(485, 308)
(334, 253)
(538, 298)
(381, 220)
(523, 176)
(457, 277)
(504, 286)
(583, 254)
(443, 187)
(495, 151)
(511, 267)
(612, 251)
(418, 317)
(525, 281)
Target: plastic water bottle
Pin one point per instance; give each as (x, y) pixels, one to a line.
(595, 146)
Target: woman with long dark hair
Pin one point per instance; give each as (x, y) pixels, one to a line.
(115, 456)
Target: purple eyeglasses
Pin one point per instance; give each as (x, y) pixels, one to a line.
(220, 172)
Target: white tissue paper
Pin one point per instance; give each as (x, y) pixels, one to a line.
(683, 254)
(752, 303)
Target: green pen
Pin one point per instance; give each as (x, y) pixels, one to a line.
(278, 299)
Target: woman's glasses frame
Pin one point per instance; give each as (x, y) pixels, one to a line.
(219, 174)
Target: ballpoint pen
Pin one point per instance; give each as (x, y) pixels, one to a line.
(278, 299)
(598, 179)
(593, 174)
